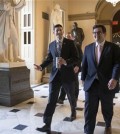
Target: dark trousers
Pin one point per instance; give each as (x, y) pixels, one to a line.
(54, 88)
(63, 92)
(95, 94)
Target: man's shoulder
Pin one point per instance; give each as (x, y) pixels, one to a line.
(79, 28)
(51, 43)
(111, 44)
(69, 41)
(90, 45)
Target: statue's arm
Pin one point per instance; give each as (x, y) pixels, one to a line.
(5, 6)
(20, 5)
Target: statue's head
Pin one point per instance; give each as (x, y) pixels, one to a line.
(75, 25)
(57, 7)
(16, 1)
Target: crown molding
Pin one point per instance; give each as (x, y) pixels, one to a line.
(104, 22)
(84, 16)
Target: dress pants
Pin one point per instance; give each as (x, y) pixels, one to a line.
(63, 92)
(54, 88)
(92, 97)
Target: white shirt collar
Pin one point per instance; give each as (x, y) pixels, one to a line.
(101, 44)
(59, 40)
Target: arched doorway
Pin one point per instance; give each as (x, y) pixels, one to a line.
(116, 28)
(106, 13)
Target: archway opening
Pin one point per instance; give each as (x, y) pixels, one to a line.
(116, 28)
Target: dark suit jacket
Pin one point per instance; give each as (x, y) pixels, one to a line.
(69, 53)
(109, 65)
(80, 55)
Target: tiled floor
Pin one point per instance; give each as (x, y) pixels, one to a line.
(25, 117)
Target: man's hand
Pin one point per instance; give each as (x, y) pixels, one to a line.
(112, 84)
(76, 69)
(61, 61)
(37, 67)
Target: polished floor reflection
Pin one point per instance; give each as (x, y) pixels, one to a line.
(25, 117)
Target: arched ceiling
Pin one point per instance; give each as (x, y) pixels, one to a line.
(105, 10)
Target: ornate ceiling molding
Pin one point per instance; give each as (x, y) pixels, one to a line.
(85, 16)
(104, 22)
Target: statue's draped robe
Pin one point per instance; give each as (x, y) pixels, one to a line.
(7, 18)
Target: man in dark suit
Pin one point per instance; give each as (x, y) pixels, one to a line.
(77, 69)
(100, 79)
(62, 76)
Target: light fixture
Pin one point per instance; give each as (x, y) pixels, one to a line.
(114, 2)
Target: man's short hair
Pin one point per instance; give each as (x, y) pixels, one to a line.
(57, 25)
(100, 26)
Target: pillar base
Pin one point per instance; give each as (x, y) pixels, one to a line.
(14, 84)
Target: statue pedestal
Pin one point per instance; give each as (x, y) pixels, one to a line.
(14, 83)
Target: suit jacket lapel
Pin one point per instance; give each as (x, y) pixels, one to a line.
(93, 54)
(63, 44)
(103, 52)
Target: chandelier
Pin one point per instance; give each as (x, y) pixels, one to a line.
(114, 2)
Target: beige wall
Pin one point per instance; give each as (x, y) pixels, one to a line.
(41, 33)
(82, 6)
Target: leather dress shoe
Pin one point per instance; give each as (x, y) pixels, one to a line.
(60, 101)
(45, 128)
(108, 130)
(73, 116)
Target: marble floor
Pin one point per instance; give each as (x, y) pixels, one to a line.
(25, 117)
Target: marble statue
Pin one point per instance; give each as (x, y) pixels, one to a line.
(56, 17)
(8, 30)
